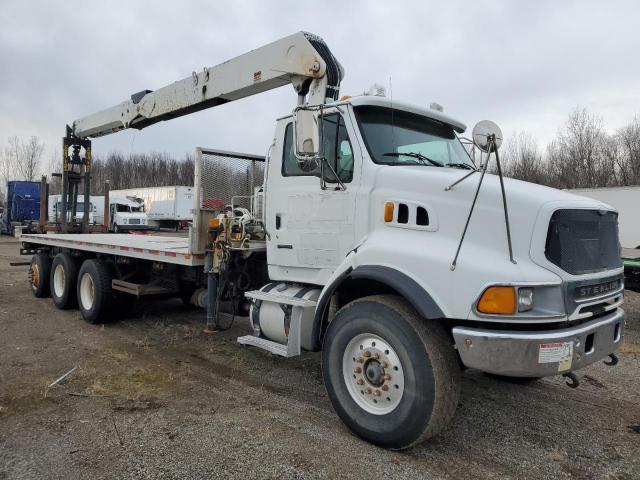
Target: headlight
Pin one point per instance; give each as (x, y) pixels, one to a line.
(525, 299)
(124, 220)
(530, 301)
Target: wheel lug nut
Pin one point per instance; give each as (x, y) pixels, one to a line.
(367, 354)
(360, 360)
(378, 393)
(384, 364)
(358, 370)
(360, 381)
(369, 391)
(377, 355)
(387, 376)
(385, 387)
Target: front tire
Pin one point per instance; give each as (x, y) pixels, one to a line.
(392, 376)
(64, 274)
(95, 295)
(39, 274)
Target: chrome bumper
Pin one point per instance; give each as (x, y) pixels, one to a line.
(539, 353)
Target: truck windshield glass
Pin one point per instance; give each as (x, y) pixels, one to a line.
(395, 137)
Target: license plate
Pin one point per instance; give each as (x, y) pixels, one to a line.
(588, 291)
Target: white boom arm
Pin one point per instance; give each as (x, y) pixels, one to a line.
(301, 59)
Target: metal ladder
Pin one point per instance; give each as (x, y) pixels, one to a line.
(290, 307)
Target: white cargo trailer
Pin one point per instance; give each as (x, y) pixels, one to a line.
(626, 200)
(166, 207)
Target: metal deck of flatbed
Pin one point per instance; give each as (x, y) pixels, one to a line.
(147, 247)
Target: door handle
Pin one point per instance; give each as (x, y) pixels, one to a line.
(278, 221)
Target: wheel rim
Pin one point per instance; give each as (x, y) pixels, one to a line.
(373, 374)
(59, 278)
(87, 291)
(35, 276)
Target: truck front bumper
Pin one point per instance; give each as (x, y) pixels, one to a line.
(126, 227)
(539, 353)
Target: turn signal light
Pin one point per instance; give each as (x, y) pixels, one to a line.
(498, 300)
(388, 211)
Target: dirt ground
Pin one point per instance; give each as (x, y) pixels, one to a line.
(153, 397)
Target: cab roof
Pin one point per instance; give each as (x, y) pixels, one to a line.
(378, 101)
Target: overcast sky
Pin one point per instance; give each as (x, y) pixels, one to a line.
(523, 65)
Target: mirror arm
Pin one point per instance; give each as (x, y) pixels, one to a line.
(323, 183)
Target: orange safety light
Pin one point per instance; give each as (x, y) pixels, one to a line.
(388, 211)
(498, 300)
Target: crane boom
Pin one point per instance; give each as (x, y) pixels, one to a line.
(301, 59)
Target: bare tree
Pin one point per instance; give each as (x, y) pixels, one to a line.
(523, 160)
(628, 157)
(576, 156)
(24, 158)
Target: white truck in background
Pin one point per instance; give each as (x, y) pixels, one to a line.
(370, 235)
(125, 214)
(166, 207)
(55, 209)
(626, 200)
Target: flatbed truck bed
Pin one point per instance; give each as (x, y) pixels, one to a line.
(161, 248)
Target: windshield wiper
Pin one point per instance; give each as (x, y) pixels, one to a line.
(415, 155)
(465, 166)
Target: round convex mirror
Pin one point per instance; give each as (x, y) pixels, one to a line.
(483, 131)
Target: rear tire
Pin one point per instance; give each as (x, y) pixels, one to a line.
(391, 375)
(39, 275)
(63, 277)
(95, 296)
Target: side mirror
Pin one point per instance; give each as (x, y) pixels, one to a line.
(483, 132)
(306, 134)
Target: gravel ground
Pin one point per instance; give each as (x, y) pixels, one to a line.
(154, 397)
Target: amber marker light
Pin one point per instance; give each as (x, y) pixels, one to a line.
(388, 212)
(498, 301)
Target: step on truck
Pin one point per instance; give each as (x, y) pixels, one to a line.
(367, 232)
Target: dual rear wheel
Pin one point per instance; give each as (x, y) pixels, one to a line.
(72, 284)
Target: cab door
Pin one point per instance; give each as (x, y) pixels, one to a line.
(311, 228)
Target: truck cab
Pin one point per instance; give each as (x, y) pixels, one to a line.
(55, 210)
(127, 214)
(389, 223)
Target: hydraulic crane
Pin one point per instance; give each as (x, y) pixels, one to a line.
(302, 60)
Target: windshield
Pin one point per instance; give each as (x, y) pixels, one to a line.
(79, 207)
(396, 137)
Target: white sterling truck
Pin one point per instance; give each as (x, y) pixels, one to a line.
(354, 236)
(166, 207)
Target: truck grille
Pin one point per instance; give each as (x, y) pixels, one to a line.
(134, 221)
(583, 241)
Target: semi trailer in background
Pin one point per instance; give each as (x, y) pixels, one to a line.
(626, 200)
(166, 207)
(21, 206)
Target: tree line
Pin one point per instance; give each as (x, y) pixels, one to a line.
(582, 155)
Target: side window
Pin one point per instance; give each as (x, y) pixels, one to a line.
(290, 165)
(336, 148)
